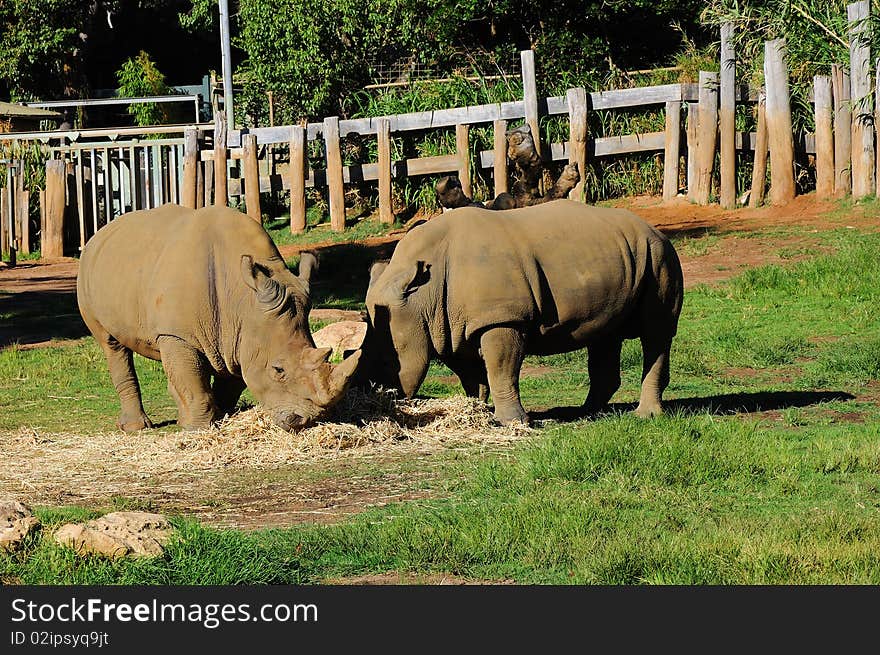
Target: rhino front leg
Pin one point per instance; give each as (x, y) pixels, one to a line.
(604, 369)
(655, 374)
(189, 383)
(503, 351)
(120, 361)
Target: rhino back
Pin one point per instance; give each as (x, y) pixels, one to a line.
(170, 270)
(567, 269)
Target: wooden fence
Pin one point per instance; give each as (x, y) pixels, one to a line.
(204, 164)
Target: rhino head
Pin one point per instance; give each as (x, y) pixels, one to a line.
(397, 347)
(280, 364)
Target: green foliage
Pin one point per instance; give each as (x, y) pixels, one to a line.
(31, 155)
(139, 78)
(37, 42)
(44, 44)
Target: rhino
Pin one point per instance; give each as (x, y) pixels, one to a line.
(480, 289)
(206, 292)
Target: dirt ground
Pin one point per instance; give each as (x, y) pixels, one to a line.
(251, 499)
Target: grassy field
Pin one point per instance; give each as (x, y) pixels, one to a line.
(766, 468)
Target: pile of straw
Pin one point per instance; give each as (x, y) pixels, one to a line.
(366, 424)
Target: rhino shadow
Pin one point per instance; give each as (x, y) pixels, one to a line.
(725, 404)
(31, 317)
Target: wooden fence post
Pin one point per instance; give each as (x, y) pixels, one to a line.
(297, 179)
(727, 118)
(52, 244)
(208, 191)
(221, 187)
(383, 135)
(251, 177)
(190, 167)
(876, 123)
(499, 175)
(779, 131)
(577, 140)
(842, 131)
(530, 95)
(759, 171)
(462, 150)
(862, 145)
(824, 137)
(707, 132)
(22, 209)
(693, 120)
(671, 150)
(335, 184)
(4, 219)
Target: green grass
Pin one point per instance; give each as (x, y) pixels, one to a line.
(707, 494)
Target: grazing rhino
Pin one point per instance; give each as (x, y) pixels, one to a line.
(479, 290)
(206, 292)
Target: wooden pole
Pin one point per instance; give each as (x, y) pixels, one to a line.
(221, 187)
(824, 137)
(862, 145)
(842, 131)
(530, 95)
(251, 177)
(335, 184)
(876, 119)
(53, 230)
(499, 175)
(190, 167)
(22, 208)
(297, 179)
(671, 150)
(577, 140)
(707, 133)
(693, 120)
(383, 135)
(4, 219)
(727, 118)
(462, 150)
(208, 175)
(759, 171)
(779, 131)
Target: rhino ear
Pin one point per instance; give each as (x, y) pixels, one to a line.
(419, 277)
(376, 270)
(259, 279)
(308, 264)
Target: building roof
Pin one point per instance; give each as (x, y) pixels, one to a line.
(14, 110)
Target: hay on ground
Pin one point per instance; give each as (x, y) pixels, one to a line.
(367, 424)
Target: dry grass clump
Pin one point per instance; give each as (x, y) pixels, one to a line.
(363, 419)
(365, 424)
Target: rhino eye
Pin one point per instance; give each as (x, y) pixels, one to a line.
(278, 371)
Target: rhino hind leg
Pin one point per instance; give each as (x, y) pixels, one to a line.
(120, 362)
(188, 382)
(655, 374)
(603, 365)
(503, 351)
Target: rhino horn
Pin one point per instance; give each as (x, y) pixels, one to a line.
(312, 358)
(343, 372)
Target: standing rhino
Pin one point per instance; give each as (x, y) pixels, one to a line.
(206, 292)
(479, 290)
